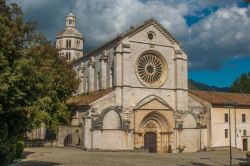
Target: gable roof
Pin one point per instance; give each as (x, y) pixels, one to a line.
(223, 98)
(132, 31)
(86, 99)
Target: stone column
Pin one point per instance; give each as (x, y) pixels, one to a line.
(166, 143)
(103, 78)
(181, 80)
(126, 62)
(118, 66)
(118, 75)
(91, 78)
(161, 142)
(141, 142)
(126, 139)
(82, 69)
(87, 133)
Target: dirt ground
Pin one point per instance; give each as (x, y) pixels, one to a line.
(74, 157)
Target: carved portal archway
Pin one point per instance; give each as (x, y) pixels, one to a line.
(154, 133)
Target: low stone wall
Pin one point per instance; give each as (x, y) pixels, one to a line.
(75, 132)
(34, 143)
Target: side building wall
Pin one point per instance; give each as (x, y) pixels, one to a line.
(219, 127)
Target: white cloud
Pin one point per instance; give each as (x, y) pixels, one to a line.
(100, 20)
(221, 35)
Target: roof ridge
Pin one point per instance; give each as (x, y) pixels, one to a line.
(132, 30)
(221, 92)
(222, 98)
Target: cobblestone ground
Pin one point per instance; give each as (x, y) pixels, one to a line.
(74, 157)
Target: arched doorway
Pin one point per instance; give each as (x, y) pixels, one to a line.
(154, 133)
(150, 142)
(68, 140)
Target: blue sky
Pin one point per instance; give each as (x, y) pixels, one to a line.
(215, 34)
(229, 70)
(225, 75)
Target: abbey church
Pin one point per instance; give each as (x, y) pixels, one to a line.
(133, 95)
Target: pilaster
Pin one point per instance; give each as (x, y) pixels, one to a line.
(103, 61)
(91, 80)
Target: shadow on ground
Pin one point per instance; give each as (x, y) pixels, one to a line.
(32, 162)
(195, 164)
(35, 163)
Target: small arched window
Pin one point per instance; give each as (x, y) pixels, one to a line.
(98, 81)
(87, 85)
(69, 43)
(69, 55)
(112, 79)
(78, 43)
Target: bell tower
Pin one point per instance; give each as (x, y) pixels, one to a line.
(70, 41)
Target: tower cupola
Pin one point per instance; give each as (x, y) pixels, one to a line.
(70, 20)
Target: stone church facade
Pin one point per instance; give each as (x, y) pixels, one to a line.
(133, 94)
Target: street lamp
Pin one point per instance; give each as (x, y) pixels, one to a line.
(229, 106)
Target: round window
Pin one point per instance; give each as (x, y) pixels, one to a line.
(151, 69)
(150, 36)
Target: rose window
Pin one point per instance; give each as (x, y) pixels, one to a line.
(151, 69)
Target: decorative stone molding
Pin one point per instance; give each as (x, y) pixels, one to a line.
(82, 68)
(125, 45)
(178, 52)
(178, 115)
(97, 121)
(91, 62)
(104, 57)
(125, 125)
(151, 125)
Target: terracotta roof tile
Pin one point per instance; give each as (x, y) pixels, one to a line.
(86, 99)
(223, 98)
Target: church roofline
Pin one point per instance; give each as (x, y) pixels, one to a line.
(87, 98)
(130, 32)
(70, 15)
(223, 98)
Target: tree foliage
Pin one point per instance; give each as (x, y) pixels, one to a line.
(242, 84)
(34, 81)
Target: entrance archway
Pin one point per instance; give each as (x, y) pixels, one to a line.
(150, 142)
(154, 133)
(68, 140)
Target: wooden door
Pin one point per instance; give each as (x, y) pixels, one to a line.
(150, 142)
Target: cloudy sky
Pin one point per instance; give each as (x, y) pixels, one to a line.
(214, 33)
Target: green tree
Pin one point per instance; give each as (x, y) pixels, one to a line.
(242, 84)
(34, 81)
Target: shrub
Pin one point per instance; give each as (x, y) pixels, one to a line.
(19, 148)
(11, 154)
(13, 150)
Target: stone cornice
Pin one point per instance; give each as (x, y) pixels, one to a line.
(70, 36)
(68, 49)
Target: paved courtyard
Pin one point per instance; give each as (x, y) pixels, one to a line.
(74, 157)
